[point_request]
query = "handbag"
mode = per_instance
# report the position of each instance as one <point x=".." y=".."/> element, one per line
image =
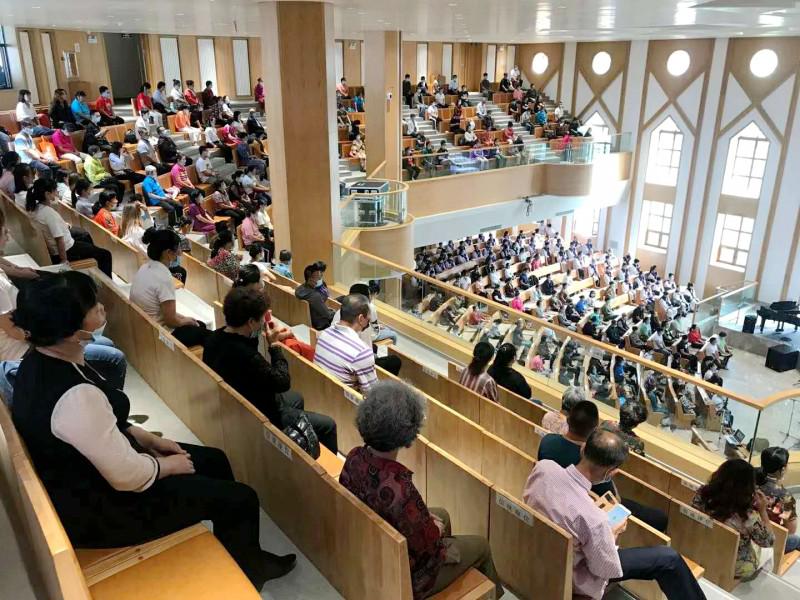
<point x="301" y="432"/>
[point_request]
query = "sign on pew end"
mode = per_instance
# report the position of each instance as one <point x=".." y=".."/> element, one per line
<point x="275" y="441"/>
<point x="696" y="515"/>
<point x="515" y="509"/>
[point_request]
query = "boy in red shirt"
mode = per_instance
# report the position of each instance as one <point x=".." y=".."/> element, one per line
<point x="105" y="106"/>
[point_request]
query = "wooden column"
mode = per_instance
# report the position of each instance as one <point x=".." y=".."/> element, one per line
<point x="299" y="76"/>
<point x="382" y="77"/>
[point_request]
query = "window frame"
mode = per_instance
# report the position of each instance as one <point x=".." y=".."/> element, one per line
<point x="737" y="250"/>
<point x="663" y="232"/>
<point x="739" y="181"/>
<point x="9" y="84"/>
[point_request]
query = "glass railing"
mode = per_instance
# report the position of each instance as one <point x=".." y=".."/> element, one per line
<point x="726" y="308"/>
<point x="375" y="203"/>
<point x="682" y="406"/>
<point x="483" y="157"/>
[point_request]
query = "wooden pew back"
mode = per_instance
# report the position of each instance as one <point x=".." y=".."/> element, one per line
<point x="26" y="233"/>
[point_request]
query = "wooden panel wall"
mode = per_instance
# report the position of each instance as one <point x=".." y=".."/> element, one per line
<point x="352" y="61"/>
<point x="190" y="61"/>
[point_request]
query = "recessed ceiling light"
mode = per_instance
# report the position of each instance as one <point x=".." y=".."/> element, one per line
<point x="179" y="14"/>
<point x="451" y="4"/>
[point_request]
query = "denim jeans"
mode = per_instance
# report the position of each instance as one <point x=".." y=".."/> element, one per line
<point x="386" y="334"/>
<point x="101" y="354"/>
<point x="792" y="543"/>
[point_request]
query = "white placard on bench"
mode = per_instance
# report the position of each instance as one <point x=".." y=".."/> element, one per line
<point x="352" y="397"/>
<point x="164" y="338"/>
<point x="696" y="515"/>
<point x="515" y="509"/>
<point x="692" y="485"/>
<point x="430" y="372"/>
<point x="275" y="441"/>
<point x="540" y="431"/>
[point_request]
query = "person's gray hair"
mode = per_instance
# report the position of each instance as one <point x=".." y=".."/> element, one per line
<point x="571" y="396"/>
<point x="390" y="416"/>
<point x="150" y="169"/>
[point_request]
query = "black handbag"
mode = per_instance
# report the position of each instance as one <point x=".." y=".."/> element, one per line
<point x="302" y="433"/>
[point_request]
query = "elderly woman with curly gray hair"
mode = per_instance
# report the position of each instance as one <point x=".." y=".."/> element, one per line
<point x="390" y="418"/>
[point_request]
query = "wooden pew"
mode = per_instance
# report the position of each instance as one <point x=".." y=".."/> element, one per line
<point x="26" y="233"/>
<point x="219" y="416"/>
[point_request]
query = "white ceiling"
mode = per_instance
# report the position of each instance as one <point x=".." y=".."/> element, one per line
<point x="517" y="21"/>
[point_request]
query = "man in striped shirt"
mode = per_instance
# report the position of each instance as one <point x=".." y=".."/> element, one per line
<point x="340" y="349"/>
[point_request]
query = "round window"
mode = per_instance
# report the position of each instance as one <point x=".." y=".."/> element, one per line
<point x="539" y="63"/>
<point x="601" y="63"/>
<point x="678" y="63"/>
<point x="764" y="63"/>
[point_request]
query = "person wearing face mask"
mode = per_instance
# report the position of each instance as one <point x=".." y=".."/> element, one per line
<point x="562" y="494"/>
<point x="153" y="288"/>
<point x="155" y="195"/>
<point x="167" y="149"/>
<point x="565" y="449"/>
<point x="61" y="243"/>
<point x="100" y="351"/>
<point x="112" y="483"/>
<point x="309" y="290"/>
<point x="105" y="106"/>
<point x="29" y="154"/>
<point x="93" y="136"/>
<point x="26" y="112"/>
<point x="97" y="174"/>
<point x="340" y="349"/>
<point x="80" y="109"/>
<point x="284" y="265"/>
<point x="233" y="352"/>
<point x="144" y="101"/>
<point x="60" y="112"/>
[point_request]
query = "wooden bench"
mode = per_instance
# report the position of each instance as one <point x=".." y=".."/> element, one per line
<point x="218" y="416"/>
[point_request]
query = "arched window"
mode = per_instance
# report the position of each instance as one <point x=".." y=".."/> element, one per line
<point x="664" y="157"/>
<point x="600" y="130"/>
<point x="746" y="163"/>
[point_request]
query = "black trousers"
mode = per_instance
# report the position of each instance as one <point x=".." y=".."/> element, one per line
<point x="654" y="517"/>
<point x="81" y="250"/>
<point x="236" y="215"/>
<point x="106" y="121"/>
<point x="324" y="426"/>
<point x="191" y="335"/>
<point x="130" y="175"/>
<point x="107" y="519"/>
<point x="666" y="566"/>
<point x="390" y="363"/>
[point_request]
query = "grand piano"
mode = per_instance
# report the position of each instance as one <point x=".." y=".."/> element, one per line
<point x="785" y="311"/>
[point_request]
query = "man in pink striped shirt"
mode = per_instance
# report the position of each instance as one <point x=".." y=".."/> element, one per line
<point x="341" y="351"/>
<point x="563" y="496"/>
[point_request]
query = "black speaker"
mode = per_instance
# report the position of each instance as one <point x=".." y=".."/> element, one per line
<point x="749" y="324"/>
<point x="782" y="357"/>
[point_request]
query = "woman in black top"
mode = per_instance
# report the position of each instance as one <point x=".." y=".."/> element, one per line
<point x="60" y="111"/>
<point x="504" y="374"/>
<point x="113" y="483"/>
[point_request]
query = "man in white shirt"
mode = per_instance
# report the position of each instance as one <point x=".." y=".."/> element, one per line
<point x="440" y="100"/>
<point x="205" y="172"/>
<point x="432" y="113"/>
<point x="148" y="155"/>
<point x="559" y="111"/>
<point x="29" y="154"/>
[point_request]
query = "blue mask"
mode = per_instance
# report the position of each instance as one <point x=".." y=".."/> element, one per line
<point x="318" y="283"/>
<point x="175" y="263"/>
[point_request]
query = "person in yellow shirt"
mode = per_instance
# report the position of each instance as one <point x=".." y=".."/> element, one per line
<point x="97" y="174"/>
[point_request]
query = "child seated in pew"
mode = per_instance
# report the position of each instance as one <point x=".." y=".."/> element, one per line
<point x="560" y="492"/>
<point x="81" y="198"/>
<point x="102" y="210"/>
<point x="781" y="505"/>
<point x="153" y="288"/>
<point x="389" y="419"/>
<point x="135" y="221"/>
<point x="112" y="483"/>
<point x="731" y="497"/>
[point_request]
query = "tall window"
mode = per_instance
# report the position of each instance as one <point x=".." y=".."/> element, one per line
<point x="732" y="238"/>
<point x="5" y="74"/>
<point x="747" y="161"/>
<point x="664" y="157"/>
<point x="655" y="225"/>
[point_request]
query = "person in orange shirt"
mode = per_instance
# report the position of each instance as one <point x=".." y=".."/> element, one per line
<point x="183" y="123"/>
<point x="105" y="106"/>
<point x="102" y="211"/>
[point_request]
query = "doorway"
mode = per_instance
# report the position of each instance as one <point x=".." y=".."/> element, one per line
<point x="125" y="64"/>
